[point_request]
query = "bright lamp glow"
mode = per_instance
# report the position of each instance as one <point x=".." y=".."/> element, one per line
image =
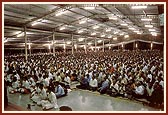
<point x="152" y="30"/>
<point x="115" y="38"/>
<point x="81" y="39"/>
<point x="62" y="28"/>
<point x="131" y="28"/>
<point x="92" y="34"/>
<point x="139" y="7"/>
<point x="124" y="24"/>
<point x="102" y="35"/>
<point x="95" y="27"/>
<point x="68" y="42"/>
<point x="149" y="26"/>
<point x="108" y="30"/>
<point x="82" y="21"/>
<point x="136" y="45"/>
<point x="126" y="36"/>
<point x="19" y="35"/>
<point x="89" y="43"/>
<point x="146" y="19"/>
<point x="80" y="31"/>
<point x="99" y="41"/>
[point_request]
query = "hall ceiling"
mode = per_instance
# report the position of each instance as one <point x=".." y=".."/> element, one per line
<point x="85" y="22"/>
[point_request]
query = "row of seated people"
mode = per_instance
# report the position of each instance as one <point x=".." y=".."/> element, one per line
<point x="151" y="91"/>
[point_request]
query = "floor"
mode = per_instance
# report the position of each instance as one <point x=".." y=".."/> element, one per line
<point x="83" y="100"/>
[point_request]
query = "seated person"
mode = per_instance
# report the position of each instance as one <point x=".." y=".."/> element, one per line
<point x="51" y="101"/>
<point x="93" y="84"/>
<point x="83" y="83"/>
<point x="104" y="86"/>
<point x="139" y="91"/>
<point x="59" y="90"/>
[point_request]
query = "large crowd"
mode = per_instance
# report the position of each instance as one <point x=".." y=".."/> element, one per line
<point x="130" y="74"/>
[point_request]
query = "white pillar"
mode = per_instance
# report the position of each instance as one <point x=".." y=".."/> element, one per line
<point x="72" y="44"/>
<point x="85" y="46"/>
<point x="53" y="43"/>
<point x="103" y="44"/>
<point x="25" y="37"/>
<point x="64" y="46"/>
<point x="95" y="45"/>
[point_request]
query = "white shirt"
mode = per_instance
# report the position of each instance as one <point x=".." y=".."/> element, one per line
<point x="93" y="83"/>
<point x="139" y="90"/>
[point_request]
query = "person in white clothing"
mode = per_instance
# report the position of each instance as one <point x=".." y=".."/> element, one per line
<point x="93" y="84"/>
<point x="51" y="101"/>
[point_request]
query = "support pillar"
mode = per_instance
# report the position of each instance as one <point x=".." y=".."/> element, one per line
<point x="25" y="37"/>
<point x="72" y="44"/>
<point x="53" y="43"/>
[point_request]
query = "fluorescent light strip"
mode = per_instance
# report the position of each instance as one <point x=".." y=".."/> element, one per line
<point x="126" y="36"/>
<point x="152" y="30"/>
<point x="80" y="31"/>
<point x="99" y="41"/>
<point x="146" y="19"/>
<point x="149" y="26"/>
<point x="102" y="35"/>
<point x="139" y="7"/>
<point x="115" y="38"/>
<point x="131" y="28"/>
<point x="82" y="22"/>
<point x="62" y="28"/>
<point x="95" y="27"/>
<point x="93" y="34"/>
<point x="124" y="24"/>
<point x="81" y="39"/>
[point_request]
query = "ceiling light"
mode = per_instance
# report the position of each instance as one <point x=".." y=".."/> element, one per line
<point x="109" y="36"/>
<point x="82" y="21"/>
<point x="139" y="7"/>
<point x="136" y="31"/>
<point x="121" y="34"/>
<point x="146" y="19"/>
<point x="152" y="30"/>
<point x="139" y="33"/>
<point x="80" y="31"/>
<point x="154" y="34"/>
<point x="115" y="32"/>
<point x="149" y="26"/>
<point x="99" y="41"/>
<point x="19" y="35"/>
<point x="124" y="24"/>
<point x="108" y="30"/>
<point x="103" y="35"/>
<point x="126" y="36"/>
<point x="81" y="39"/>
<point x="95" y="27"/>
<point x="68" y="42"/>
<point x="35" y="23"/>
<point x="93" y="33"/>
<point x="131" y="28"/>
<point x="89" y="43"/>
<point x="44" y="21"/>
<point x="115" y="38"/>
<point x="62" y="28"/>
<point x="113" y="18"/>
